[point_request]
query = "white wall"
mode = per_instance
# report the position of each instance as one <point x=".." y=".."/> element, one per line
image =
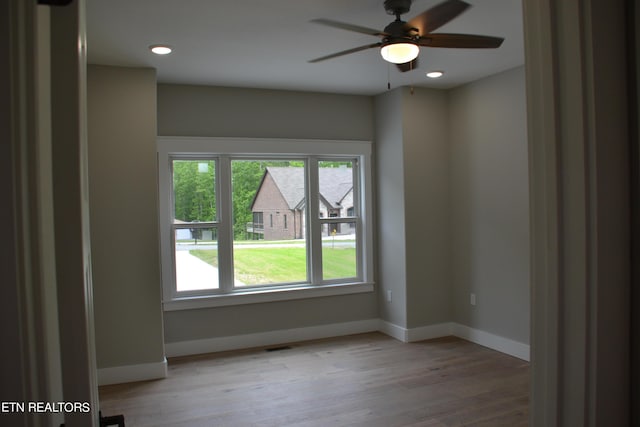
<point x="489" y="205"/>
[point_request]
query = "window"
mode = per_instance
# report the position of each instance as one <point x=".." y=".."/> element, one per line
<point x="214" y="194"/>
<point x="256" y="227"/>
<point x="194" y="223"/>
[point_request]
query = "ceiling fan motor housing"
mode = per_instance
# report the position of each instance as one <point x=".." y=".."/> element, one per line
<point x="399" y="29"/>
<point x="397" y="7"/>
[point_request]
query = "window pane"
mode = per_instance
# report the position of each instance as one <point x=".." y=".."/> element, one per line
<point x="339" y="251"/>
<point x="196" y="252"/>
<point x="194" y="193"/>
<point x="336" y="188"/>
<point x="268" y="214"/>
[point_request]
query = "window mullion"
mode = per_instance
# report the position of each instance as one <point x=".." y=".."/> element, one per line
<point x="225" y="227"/>
<point x="365" y="202"/>
<point x="359" y="209"/>
<point x="314" y="232"/>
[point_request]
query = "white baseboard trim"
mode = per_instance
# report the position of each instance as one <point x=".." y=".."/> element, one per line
<point x="394" y="331"/>
<point x="211" y="345"/>
<point x="150" y="371"/>
<point x="430" y="332"/>
<point x="485" y="339"/>
<point x="131" y="373"/>
<point x="416" y="334"/>
<point x="494" y="342"/>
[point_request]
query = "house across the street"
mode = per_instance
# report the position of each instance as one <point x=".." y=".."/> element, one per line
<point x="279" y="205"/>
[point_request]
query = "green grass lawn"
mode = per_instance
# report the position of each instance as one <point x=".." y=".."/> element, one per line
<point x="256" y="266"/>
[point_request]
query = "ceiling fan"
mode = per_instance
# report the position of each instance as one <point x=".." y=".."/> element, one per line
<point x="401" y="40"/>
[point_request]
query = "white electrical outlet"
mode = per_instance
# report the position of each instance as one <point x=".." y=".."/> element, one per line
<point x="472" y="299"/>
<point x="388" y="296"/>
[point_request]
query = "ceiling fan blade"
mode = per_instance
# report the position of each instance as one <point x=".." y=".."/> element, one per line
<point x="437" y="16"/>
<point x="349" y="27"/>
<point x="408" y="66"/>
<point x="346" y="52"/>
<point x="462" y="41"/>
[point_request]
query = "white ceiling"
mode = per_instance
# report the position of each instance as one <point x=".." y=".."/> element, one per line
<point x="267" y="43"/>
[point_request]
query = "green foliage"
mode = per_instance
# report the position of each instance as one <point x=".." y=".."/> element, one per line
<point x="333" y="164"/>
<point x="194" y="190"/>
<point x="246" y="176"/>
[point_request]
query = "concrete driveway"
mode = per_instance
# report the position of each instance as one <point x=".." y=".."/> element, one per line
<point x="194" y="274"/>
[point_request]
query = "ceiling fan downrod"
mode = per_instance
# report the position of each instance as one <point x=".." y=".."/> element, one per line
<point x="397" y="7"/>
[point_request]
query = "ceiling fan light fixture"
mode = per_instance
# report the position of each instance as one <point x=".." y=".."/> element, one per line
<point x="399" y="52"/>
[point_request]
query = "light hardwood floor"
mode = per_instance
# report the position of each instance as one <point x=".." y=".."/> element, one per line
<point x="360" y="380"/>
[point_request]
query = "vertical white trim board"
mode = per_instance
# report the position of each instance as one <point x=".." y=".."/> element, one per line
<point x="260" y="339"/>
<point x="131" y="373"/>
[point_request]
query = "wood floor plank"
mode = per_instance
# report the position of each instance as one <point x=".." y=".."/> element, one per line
<point x="361" y="380"/>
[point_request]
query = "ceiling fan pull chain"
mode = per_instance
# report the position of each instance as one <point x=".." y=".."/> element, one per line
<point x="388" y="77"/>
<point x="411" y="69"/>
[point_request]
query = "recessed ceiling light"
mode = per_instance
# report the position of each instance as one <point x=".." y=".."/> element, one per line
<point x="160" y="49"/>
<point x="435" y="74"/>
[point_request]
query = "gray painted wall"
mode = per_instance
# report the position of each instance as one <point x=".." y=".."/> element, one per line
<point x="185" y="110"/>
<point x="390" y="204"/>
<point x="412" y="159"/>
<point x="212" y="111"/>
<point x="452" y="180"/>
<point x="451" y="204"/>
<point x="124" y="215"/>
<point x="427" y="207"/>
<point x="635" y="226"/>
<point x="490" y="205"/>
<point x="200" y="324"/>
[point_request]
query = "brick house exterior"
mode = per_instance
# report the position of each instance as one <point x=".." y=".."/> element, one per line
<point x="278" y="206"/>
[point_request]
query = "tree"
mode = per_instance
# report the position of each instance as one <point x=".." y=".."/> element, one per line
<point x="194" y="190"/>
<point x="246" y="176"/>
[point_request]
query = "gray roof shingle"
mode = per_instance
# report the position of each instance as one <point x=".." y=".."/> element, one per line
<point x="335" y="183"/>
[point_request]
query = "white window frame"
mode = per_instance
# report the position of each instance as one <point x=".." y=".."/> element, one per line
<point x="225" y="149"/>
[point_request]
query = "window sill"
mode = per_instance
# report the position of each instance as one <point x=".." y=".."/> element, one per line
<point x="266" y="295"/>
